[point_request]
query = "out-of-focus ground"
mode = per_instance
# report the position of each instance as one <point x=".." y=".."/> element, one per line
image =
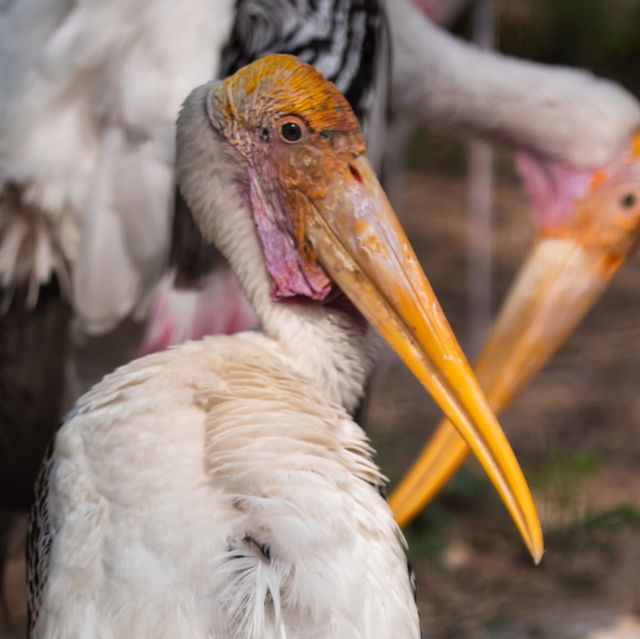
<point x="576" y="431"/>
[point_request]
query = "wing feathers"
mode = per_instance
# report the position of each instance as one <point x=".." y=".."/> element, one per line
<point x="89" y="93"/>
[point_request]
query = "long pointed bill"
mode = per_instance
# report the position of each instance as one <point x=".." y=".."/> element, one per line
<point x="358" y="240"/>
<point x="568" y="268"/>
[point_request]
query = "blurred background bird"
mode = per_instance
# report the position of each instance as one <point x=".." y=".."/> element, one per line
<point x="587" y="219"/>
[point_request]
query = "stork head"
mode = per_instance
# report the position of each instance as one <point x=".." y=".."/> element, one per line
<point x="325" y="226"/>
<point x="300" y="142"/>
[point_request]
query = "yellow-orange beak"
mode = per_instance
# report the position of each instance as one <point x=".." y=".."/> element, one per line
<point x="358" y="240"/>
<point x="568" y="268"/>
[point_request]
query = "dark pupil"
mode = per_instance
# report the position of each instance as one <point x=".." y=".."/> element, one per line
<point x="291" y="132"/>
<point x="628" y="200"/>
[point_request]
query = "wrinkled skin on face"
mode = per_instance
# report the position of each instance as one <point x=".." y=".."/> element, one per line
<point x="297" y="135"/>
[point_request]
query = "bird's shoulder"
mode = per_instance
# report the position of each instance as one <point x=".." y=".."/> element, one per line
<point x="166" y="402"/>
<point x="177" y="385"/>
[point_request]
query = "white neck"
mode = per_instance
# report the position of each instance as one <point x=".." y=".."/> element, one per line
<point x="322" y="343"/>
<point x="566" y="113"/>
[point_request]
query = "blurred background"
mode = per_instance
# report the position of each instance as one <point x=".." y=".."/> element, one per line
<point x="574" y="429"/>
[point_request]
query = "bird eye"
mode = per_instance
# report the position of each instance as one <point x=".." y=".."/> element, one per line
<point x="628" y="200"/>
<point x="291" y="131"/>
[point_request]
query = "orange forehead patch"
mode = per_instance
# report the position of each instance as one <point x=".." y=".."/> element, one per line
<point x="635" y="146"/>
<point x="284" y="84"/>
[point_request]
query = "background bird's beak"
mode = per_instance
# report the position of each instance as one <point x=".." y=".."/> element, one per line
<point x="359" y="241"/>
<point x="566" y="271"/>
<point x="556" y="286"/>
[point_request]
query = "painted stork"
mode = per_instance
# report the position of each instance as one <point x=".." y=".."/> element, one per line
<point x="587" y="220"/>
<point x="72" y="109"/>
<point x="220" y="489"/>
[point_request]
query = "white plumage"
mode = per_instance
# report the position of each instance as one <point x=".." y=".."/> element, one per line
<point x="564" y="113"/>
<point x="88" y="98"/>
<point x="224" y="502"/>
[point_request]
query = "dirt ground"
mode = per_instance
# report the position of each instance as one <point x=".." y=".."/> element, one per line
<point x="575" y="431"/>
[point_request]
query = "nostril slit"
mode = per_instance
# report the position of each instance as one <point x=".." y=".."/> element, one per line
<point x="355" y="173"/>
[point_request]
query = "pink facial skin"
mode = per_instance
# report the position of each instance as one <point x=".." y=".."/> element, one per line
<point x="551" y="187"/>
<point x="292" y="279"/>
